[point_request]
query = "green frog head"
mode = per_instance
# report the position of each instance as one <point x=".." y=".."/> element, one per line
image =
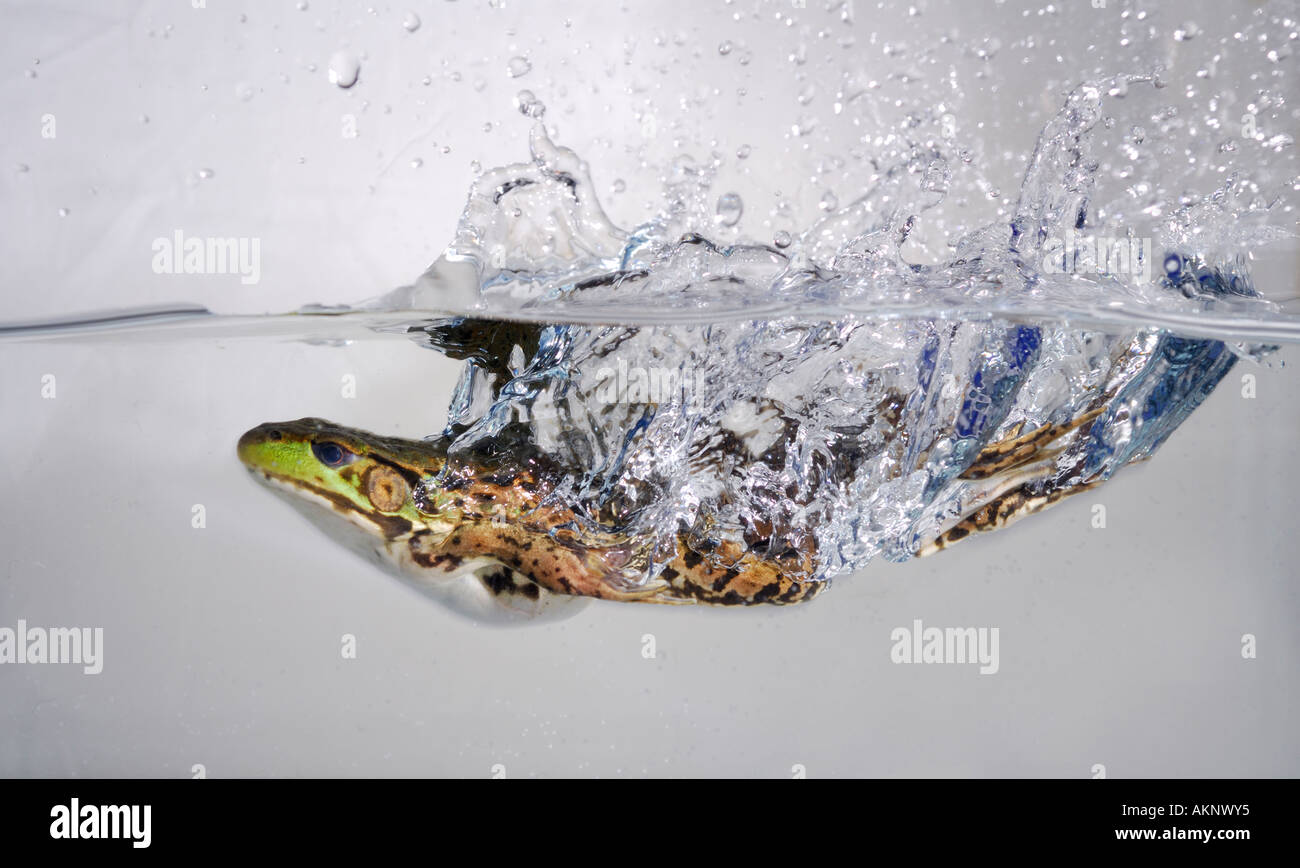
<point x="368" y="480"/>
<point x="379" y="496"/>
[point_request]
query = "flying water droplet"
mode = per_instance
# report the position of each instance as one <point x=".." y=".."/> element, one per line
<point x="782" y="239"/>
<point x="730" y="207"/>
<point x="411" y="22"/>
<point x="518" y="67"/>
<point x="804" y="126"/>
<point x="529" y="105"/>
<point x="724" y="48"/>
<point x="829" y="201"/>
<point x="344" y="69"/>
<point x="743" y="152"/>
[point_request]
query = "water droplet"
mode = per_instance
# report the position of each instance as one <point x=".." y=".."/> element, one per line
<point x="244" y="91"/>
<point x="618" y="186"/>
<point x="804" y="126"/>
<point x="64" y="212"/>
<point x="724" y="48"/>
<point x="782" y="239"/>
<point x="529" y="105"/>
<point x="21" y="168"/>
<point x="743" y="152"/>
<point x="302" y="5"/>
<point x="518" y="67"/>
<point x="937" y="176"/>
<point x="829" y="201"/>
<point x="344" y="68"/>
<point x="144" y="119"/>
<point x="417" y="163"/>
<point x="205" y="174"/>
<point x="806" y="95"/>
<point x="730" y="207"/>
<point x="411" y="22"/>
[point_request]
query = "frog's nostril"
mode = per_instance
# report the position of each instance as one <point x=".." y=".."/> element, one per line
<point x="273" y="434"/>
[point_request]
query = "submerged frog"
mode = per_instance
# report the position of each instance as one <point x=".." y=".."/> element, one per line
<point x="486" y="543"/>
<point x="966" y="429"/>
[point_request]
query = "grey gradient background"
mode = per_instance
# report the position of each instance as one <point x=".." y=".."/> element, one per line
<point x="1119" y="646"/>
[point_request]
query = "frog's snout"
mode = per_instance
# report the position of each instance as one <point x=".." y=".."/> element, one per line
<point x="251" y="444"/>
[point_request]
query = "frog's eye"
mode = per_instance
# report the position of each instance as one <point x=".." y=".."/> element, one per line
<point x="331" y="454"/>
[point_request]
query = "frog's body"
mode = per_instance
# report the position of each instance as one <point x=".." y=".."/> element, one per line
<point x="487" y="540"/>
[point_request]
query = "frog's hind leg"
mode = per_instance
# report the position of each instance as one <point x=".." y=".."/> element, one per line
<point x="1003" y="506"/>
<point x="1015" y="477"/>
<point x="1017" y="449"/>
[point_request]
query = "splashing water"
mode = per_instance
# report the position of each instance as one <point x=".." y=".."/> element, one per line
<point x="824" y="393"/>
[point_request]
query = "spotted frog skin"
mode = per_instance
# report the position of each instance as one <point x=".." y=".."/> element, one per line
<point x="483" y="536"/>
<point x="486" y="540"/>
